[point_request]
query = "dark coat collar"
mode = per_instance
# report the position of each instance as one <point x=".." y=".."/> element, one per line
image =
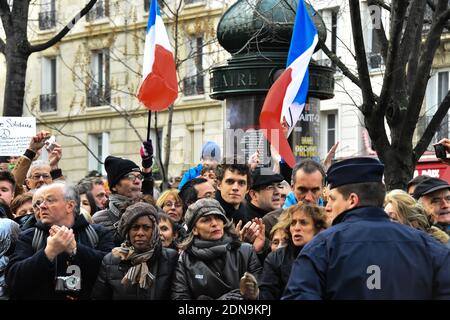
<point x="361" y="213"/>
<point x="80" y="223"/>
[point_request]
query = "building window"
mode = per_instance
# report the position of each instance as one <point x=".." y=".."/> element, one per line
<point x="374" y="19"/>
<point x="147" y="4"/>
<point x="331" y="130"/>
<point x="99" y="145"/>
<point x="99" y="90"/>
<point x="437" y="89"/>
<point x="48" y="90"/>
<point x="330" y="18"/>
<point x="47" y="15"/>
<point x="98" y="11"/>
<point x="193" y="82"/>
<point x="192" y="1"/>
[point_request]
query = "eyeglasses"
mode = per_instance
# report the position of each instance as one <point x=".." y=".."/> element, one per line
<point x="38" y="176"/>
<point x="133" y="177"/>
<point x="272" y="187"/>
<point x="172" y="204"/>
<point x="438" y="200"/>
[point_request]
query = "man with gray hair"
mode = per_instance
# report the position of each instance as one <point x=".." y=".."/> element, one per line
<point x="60" y="257"/>
<point x="38" y="175"/>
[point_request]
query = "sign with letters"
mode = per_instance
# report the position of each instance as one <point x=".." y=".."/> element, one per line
<point x="15" y="134"/>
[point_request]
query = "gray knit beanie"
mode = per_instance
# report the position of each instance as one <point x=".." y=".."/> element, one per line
<point x="201" y="208"/>
<point x="133" y="212"/>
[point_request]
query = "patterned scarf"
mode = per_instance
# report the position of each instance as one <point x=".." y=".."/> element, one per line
<point x="139" y="272"/>
<point x="118" y="204"/>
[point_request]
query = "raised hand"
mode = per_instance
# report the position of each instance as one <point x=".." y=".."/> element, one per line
<point x="146" y="152"/>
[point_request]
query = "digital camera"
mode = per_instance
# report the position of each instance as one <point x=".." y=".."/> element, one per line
<point x="69" y="283"/>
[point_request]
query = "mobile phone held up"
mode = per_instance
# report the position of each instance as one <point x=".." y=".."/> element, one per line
<point x="439" y="149"/>
<point x="50" y="144"/>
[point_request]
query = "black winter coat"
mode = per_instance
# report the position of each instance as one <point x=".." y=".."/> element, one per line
<point x="276" y="271"/>
<point x="108" y="285"/>
<point x="31" y="275"/>
<point x="109" y="221"/>
<point x="194" y="278"/>
<point x="364" y="255"/>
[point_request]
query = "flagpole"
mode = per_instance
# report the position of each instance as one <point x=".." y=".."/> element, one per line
<point x="149" y="123"/>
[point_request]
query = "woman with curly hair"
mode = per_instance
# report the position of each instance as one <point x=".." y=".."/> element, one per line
<point x="301" y="222"/>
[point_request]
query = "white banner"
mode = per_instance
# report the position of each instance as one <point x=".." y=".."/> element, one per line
<point x="15" y="134"/>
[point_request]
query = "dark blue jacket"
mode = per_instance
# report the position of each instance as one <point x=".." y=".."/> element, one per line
<point x="366" y="256"/>
<point x="30" y="275"/>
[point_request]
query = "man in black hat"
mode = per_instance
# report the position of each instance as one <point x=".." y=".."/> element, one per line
<point x="364" y="255"/>
<point x="434" y="195"/>
<point x="264" y="194"/>
<point x="125" y="183"/>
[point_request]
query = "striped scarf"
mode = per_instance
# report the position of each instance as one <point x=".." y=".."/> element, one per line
<point x="139" y="272"/>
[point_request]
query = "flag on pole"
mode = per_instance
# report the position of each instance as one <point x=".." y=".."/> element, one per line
<point x="159" y="88"/>
<point x="286" y="98"/>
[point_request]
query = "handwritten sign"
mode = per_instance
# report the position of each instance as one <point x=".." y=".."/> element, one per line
<point x="15" y="134"/>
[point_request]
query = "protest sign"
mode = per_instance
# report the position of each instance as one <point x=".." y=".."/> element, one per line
<point x="15" y="134"/>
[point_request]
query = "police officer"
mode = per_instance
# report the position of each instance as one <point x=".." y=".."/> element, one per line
<point x="364" y="255"/>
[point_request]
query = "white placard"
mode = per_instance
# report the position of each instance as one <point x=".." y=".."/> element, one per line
<point x="15" y="134"/>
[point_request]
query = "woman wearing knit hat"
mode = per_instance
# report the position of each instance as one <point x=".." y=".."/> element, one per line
<point x="213" y="258"/>
<point x="140" y="269"/>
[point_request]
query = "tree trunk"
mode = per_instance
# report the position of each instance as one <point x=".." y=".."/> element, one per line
<point x="16" y="69"/>
<point x="398" y="168"/>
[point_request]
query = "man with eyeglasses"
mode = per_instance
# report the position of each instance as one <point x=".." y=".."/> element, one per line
<point x="264" y="194"/>
<point x="38" y="175"/>
<point x="59" y="258"/>
<point x="434" y="195"/>
<point x="125" y="182"/>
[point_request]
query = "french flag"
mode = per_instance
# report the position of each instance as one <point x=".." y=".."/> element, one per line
<point x="286" y="98"/>
<point x="159" y="88"/>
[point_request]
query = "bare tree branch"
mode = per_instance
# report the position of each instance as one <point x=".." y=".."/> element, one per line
<point x="334" y="58"/>
<point x="65" y="30"/>
<point x="2" y="46"/>
<point x="432" y="127"/>
<point x="413" y="27"/>
<point x="5" y="15"/>
<point x="380" y="3"/>
<point x="413" y="62"/>
<point x="381" y="33"/>
<point x="361" y="59"/>
<point x="393" y="71"/>
<point x="441" y="15"/>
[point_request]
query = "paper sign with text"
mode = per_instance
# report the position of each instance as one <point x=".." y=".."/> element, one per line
<point x="15" y="134"/>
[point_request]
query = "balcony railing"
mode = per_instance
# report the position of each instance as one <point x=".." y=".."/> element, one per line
<point x="98" y="96"/>
<point x="48" y="102"/>
<point x="47" y="20"/>
<point x="193" y="85"/>
<point x="97" y="11"/>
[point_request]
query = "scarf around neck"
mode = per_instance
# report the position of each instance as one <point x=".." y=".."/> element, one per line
<point x="208" y="250"/>
<point x="118" y="204"/>
<point x="139" y="272"/>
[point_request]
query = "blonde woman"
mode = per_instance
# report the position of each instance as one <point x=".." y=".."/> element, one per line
<point x="172" y="205"/>
<point x="403" y="208"/>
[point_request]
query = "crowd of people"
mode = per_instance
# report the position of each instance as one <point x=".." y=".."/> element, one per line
<point x="225" y="230"/>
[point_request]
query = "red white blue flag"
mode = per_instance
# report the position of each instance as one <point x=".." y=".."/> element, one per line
<point x="286" y="98"/>
<point x="159" y="88"/>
